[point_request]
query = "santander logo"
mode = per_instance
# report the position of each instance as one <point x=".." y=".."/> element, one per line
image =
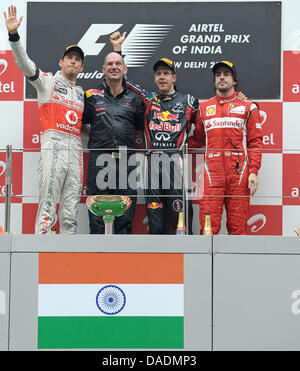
<point x="3" y="66"/>
<point x="257" y="221"/>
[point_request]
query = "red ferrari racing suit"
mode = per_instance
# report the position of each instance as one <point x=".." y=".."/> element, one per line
<point x="61" y="166"/>
<point x="231" y="130"/>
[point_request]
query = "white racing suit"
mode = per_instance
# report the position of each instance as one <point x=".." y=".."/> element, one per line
<point x="61" y="164"/>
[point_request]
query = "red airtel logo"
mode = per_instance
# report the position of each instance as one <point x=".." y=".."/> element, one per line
<point x="2" y="167"/>
<point x="257" y="222"/>
<point x="12" y="78"/>
<point x="3" y="66"/>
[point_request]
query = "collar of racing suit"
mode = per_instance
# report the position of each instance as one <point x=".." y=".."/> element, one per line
<point x="223" y="100"/>
<point x="166" y="97"/>
<point x="60" y="77"/>
<point x="106" y="87"/>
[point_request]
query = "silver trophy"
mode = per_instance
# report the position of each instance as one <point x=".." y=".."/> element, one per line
<point x="108" y="207"/>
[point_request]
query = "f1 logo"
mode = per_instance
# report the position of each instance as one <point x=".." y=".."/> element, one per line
<point x="138" y="45"/>
<point x="89" y="44"/>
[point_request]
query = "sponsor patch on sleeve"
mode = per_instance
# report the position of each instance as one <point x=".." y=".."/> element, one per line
<point x="89" y="93"/>
<point x="210" y="110"/>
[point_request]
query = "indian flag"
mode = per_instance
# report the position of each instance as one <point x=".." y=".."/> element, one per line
<point x="110" y="300"/>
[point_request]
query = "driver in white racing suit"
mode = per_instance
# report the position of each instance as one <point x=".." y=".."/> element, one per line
<point x="61" y="105"/>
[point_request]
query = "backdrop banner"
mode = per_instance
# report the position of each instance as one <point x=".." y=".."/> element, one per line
<point x="193" y="35"/>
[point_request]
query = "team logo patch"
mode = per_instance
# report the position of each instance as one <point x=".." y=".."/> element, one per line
<point x="72" y="117"/>
<point x="240" y="110"/>
<point x="165" y="116"/>
<point x="80" y="98"/>
<point x="155" y="205"/>
<point x="91" y="92"/>
<point x="161" y="136"/>
<point x="178" y="205"/>
<point x="100" y="109"/>
<point x="178" y="108"/>
<point x="210" y="110"/>
<point x="60" y="90"/>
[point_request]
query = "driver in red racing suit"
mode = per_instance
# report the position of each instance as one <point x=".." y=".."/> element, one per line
<point x="231" y="130"/>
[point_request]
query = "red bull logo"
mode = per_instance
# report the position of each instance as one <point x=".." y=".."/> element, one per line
<point x="91" y="92"/>
<point x="155" y="205"/>
<point x="165" y="116"/>
<point x="164" y="126"/>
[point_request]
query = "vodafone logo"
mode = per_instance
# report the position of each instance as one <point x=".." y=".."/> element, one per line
<point x="72" y="117"/>
<point x="257" y="221"/>
<point x="3" y="66"/>
<point x="2" y="167"/>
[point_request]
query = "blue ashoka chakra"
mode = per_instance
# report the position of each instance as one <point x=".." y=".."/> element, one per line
<point x="111" y="299"/>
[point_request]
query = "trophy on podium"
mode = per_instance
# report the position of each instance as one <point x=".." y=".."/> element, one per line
<point x="108" y="207"/>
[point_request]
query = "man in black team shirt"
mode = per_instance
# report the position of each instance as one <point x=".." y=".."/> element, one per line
<point x="168" y="117"/>
<point x="112" y="113"/>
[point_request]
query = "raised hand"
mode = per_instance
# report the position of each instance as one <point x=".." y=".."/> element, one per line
<point x="11" y="21"/>
<point x="117" y="40"/>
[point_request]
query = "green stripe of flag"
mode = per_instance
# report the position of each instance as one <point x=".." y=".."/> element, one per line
<point x="110" y="332"/>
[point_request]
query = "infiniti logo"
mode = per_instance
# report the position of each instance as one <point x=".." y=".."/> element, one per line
<point x="256" y="218"/>
<point x="3" y="66"/>
<point x="162" y="136"/>
<point x="2" y="167"/>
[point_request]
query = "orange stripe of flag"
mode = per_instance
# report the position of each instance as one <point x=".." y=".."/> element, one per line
<point x="84" y="268"/>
